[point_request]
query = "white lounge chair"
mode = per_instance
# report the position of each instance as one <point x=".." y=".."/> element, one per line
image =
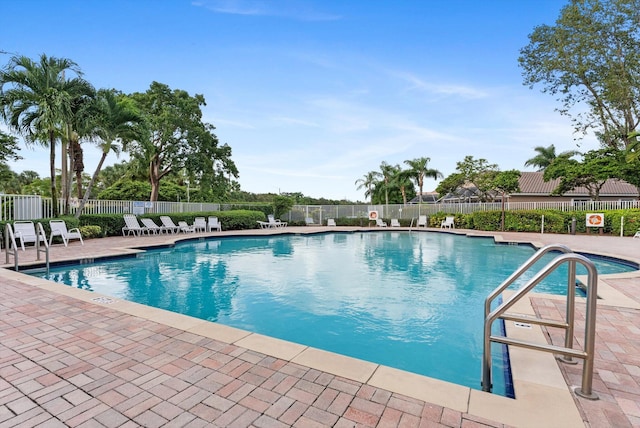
<point x="422" y="221"/>
<point x="152" y="226"/>
<point x="132" y="226"/>
<point x="395" y="222"/>
<point x="276" y="223"/>
<point x="331" y="222"/>
<point x="168" y="224"/>
<point x="214" y="224"/>
<point x="380" y="223"/>
<point x="637" y="235"/>
<point x="59" y="228"/>
<point x="25" y="231"/>
<point x="200" y="224"/>
<point x="309" y="221"/>
<point x="448" y="222"/>
<point x="184" y="227"/>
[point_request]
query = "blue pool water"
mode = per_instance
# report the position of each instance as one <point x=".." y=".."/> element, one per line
<point x="413" y="301"/>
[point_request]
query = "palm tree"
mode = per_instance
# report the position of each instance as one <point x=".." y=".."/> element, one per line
<point x="402" y="180"/>
<point x="387" y="172"/>
<point x="39" y="102"/>
<point x="546" y="155"/>
<point x="419" y="169"/>
<point x="117" y="122"/>
<point x="369" y="180"/>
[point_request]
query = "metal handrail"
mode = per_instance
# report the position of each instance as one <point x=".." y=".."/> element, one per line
<point x="41" y="234"/>
<point x="521" y="270"/>
<point x="587" y="354"/>
<point x="10" y="245"/>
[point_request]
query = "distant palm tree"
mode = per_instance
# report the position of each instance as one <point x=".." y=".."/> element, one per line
<point x="419" y="170"/>
<point x="369" y="181"/>
<point x="37" y="101"/>
<point x="387" y="172"/>
<point x="546" y="155"/>
<point x="116" y="122"/>
<point x="402" y="180"/>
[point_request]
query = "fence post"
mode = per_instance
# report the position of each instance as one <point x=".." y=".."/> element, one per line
<point x="621" y="226"/>
<point x="542" y="227"/>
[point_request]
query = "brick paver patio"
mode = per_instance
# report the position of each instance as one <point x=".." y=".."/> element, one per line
<point x="66" y="362"/>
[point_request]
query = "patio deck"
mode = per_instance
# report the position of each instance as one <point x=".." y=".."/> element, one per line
<point x="69" y="357"/>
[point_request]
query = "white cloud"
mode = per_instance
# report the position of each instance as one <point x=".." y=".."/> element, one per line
<point x="290" y="9"/>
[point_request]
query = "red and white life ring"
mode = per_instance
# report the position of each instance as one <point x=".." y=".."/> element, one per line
<point x="373" y="215"/>
<point x="595" y="220"/>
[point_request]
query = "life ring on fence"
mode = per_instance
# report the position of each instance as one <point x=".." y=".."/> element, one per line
<point x="373" y="215"/>
<point x="595" y="219"/>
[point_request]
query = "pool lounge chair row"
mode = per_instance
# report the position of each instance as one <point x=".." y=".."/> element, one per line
<point x="149" y="227"/>
<point x="25" y="232"/>
<point x="271" y="223"/>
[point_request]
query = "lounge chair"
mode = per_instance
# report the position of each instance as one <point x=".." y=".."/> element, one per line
<point x="184" y="227"/>
<point x="380" y="223"/>
<point x="168" y="224"/>
<point x="132" y="226"/>
<point x="214" y="224"/>
<point x="152" y="226"/>
<point x="276" y="223"/>
<point x="448" y="222"/>
<point x="395" y="222"/>
<point x="309" y="221"/>
<point x="59" y="228"/>
<point x="422" y="221"/>
<point x="331" y="222"/>
<point x="25" y="231"/>
<point x="637" y="235"/>
<point x="200" y="224"/>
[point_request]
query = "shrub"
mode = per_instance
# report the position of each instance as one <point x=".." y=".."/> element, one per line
<point x="91" y="231"/>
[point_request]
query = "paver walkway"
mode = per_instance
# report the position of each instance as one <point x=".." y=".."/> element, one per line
<point x="66" y="362"/>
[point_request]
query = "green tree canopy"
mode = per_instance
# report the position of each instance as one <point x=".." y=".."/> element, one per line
<point x="590" y="60"/>
<point x="594" y="170"/>
<point x="177" y="139"/>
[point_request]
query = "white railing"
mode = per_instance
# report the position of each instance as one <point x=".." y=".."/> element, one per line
<point x="31" y="207"/>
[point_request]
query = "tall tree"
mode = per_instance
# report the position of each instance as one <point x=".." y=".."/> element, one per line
<point x="115" y="121"/>
<point x="592" y="173"/>
<point x="8" y="148"/>
<point x="546" y="155"/>
<point x="590" y="60"/>
<point x="37" y="100"/>
<point x="419" y="170"/>
<point x="475" y="175"/>
<point x="387" y="171"/>
<point x="368" y="181"/>
<point x="177" y="137"/>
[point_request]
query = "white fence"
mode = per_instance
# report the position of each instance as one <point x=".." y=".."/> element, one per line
<point x="30" y="207"/>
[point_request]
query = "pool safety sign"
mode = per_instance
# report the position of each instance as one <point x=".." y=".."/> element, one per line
<point x="595" y="220"/>
<point x="373" y="215"/>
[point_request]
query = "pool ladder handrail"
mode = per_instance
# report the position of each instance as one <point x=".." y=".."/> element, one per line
<point x="11" y="246"/>
<point x="587" y="354"/>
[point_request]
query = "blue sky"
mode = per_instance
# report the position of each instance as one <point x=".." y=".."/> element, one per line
<point x="313" y="94"/>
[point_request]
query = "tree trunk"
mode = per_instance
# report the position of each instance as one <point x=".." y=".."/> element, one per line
<point x="87" y="192"/>
<point x="154" y="179"/>
<point x="52" y="171"/>
<point x="64" y="173"/>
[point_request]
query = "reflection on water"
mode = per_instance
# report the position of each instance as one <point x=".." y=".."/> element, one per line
<point x="408" y="300"/>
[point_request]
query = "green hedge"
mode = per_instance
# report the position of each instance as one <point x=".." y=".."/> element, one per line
<point x="112" y="224"/>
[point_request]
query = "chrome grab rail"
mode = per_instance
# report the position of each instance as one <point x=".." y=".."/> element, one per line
<point x="41" y="234"/>
<point x="567" y="350"/>
<point x="521" y="270"/>
<point x="10" y="245"/>
<point x="12" y="248"/>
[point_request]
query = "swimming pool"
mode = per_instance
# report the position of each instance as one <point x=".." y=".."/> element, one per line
<point x="413" y="301"/>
